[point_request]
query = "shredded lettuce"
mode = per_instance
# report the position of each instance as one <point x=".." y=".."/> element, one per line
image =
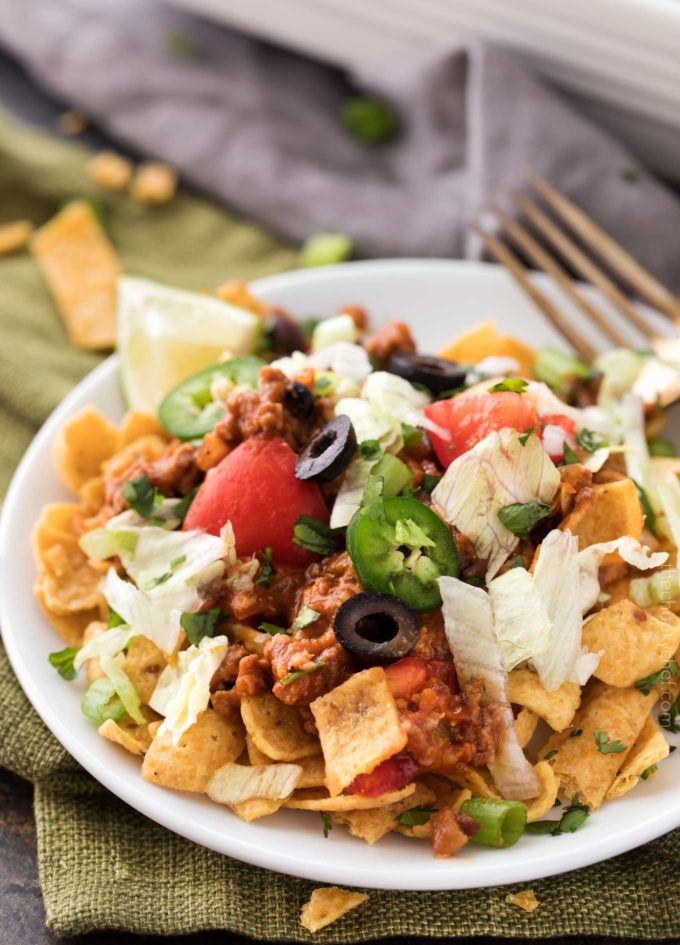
<point x="113" y="669"/>
<point x="233" y="783"/>
<point x="370" y="424"/>
<point x="394" y="396"/>
<point x="520" y="618"/>
<point x="589" y="560"/>
<point x="351" y="491"/>
<point x="469" y="626"/>
<point x="497" y="472"/>
<point x="102" y="543"/>
<point x="345" y="361"/>
<point x="183" y="689"/>
<point x="106" y="643"/>
<point x="620" y="368"/>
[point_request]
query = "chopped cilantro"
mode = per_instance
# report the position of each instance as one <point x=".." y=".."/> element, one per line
<point x="175" y="563"/>
<point x="306" y="617"/>
<point x="62" y="661"/>
<point x="291" y="677"/>
<point x="648" y="772"/>
<point x="573" y="818"/>
<point x="272" y="629"/>
<point x="115" y="620"/>
<point x="368" y="119"/>
<point x="575" y="732"/>
<point x="161" y="580"/>
<point x="515" y="385"/>
<point x="550" y="754"/>
<point x="650" y="514"/>
<point x="140" y="495"/>
<point x="590" y="441"/>
<point x="200" y="625"/>
<point x="267" y="571"/>
<point x="182" y="507"/>
<point x="605" y="745"/>
<point x="667" y="672"/>
<point x="370" y="449"/>
<point x="519" y="517"/>
<point x="569" y="455"/>
<point x="525" y="436"/>
<point x="429" y="482"/>
<point x="327" y="825"/>
<point x="415" y="817"/>
<point x="314" y="535"/>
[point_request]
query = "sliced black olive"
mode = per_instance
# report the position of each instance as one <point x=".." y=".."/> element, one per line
<point x="376" y="628"/>
<point x="285" y="335"/>
<point x="299" y="400"/>
<point x="434" y="373"/>
<point x="329" y="452"/>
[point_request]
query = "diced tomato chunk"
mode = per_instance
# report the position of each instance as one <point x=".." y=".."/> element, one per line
<point x="254" y="487"/>
<point x="556" y="429"/>
<point x="410" y="674"/>
<point x="390" y="775"/>
<point x="559" y="420"/>
<point x="468" y="418"/>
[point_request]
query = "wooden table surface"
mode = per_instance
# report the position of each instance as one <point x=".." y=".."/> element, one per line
<point x="22" y="916"/>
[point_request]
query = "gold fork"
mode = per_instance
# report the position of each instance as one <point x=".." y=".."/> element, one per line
<point x="557" y="243"/>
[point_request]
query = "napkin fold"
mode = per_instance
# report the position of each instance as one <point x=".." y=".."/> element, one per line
<point x="258" y="127"/>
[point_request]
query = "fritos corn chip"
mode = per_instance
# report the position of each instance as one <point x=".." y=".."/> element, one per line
<point x="583" y="769"/>
<point x="525" y="900"/>
<point x="370" y="825"/>
<point x="210" y="743"/>
<point x="650" y="748"/>
<point x="14" y="236"/>
<point x="607" y="512"/>
<point x="82" y="446"/>
<point x="634" y="642"/>
<point x="328" y="904"/>
<point x="121" y="736"/>
<point x="539" y="806"/>
<point x="556" y="708"/>
<point x="276" y="729"/>
<point x="483" y="341"/>
<point x="316" y="799"/>
<point x="359" y="727"/>
<point x="80" y="268"/>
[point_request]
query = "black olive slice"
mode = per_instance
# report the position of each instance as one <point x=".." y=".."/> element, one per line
<point x="436" y="374"/>
<point x="376" y="628"/>
<point x="285" y="335"/>
<point x="299" y="401"/>
<point x="329" y="452"/>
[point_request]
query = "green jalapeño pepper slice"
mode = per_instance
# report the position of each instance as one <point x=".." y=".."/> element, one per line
<point x="189" y="411"/>
<point x="399" y="546"/>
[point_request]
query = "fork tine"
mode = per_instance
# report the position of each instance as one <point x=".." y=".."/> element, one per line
<point x="581" y="263"/>
<point x="541" y="258"/>
<point x="504" y="255"/>
<point x="620" y="260"/>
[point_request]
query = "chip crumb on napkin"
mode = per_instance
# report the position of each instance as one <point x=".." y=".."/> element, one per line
<point x="110" y="171"/>
<point x="525" y="900"/>
<point x="328" y="904"/>
<point x="14" y="236"/>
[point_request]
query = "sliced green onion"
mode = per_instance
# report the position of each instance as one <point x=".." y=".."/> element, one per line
<point x="368" y="119"/>
<point x="324" y="249"/>
<point x="394" y="473"/>
<point x="501" y="822"/>
<point x="659" y="588"/>
<point x="559" y="370"/>
<point x="102" y="702"/>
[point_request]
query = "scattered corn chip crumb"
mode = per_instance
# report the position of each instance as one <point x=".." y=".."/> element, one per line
<point x="71" y="123"/>
<point x="14" y="236"/>
<point x="154" y="183"/>
<point x="110" y="171"/>
<point x="525" y="900"/>
<point x="328" y="904"/>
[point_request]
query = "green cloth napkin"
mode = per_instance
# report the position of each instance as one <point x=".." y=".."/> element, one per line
<point x="102" y="865"/>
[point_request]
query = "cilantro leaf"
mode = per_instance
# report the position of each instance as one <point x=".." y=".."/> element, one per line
<point x="141" y="495"/>
<point x="298" y="673"/>
<point x="62" y="661"/>
<point x="605" y="745"/>
<point x="182" y="507"/>
<point x="550" y="754"/>
<point x="648" y="772"/>
<point x="268" y="570"/>
<point x="665" y="674"/>
<point x="519" y="517"/>
<point x="525" y="436"/>
<point x="515" y="385"/>
<point x="575" y="732"/>
<point x="200" y="625"/>
<point x="650" y="514"/>
<point x="327" y="825"/>
<point x="590" y="441"/>
<point x="569" y="455"/>
<point x="429" y="482"/>
<point x="573" y="818"/>
<point x="314" y="535"/>
<point x="272" y="629"/>
<point x="416" y="816"/>
<point x="306" y="617"/>
<point x="370" y="449"/>
<point x="115" y="620"/>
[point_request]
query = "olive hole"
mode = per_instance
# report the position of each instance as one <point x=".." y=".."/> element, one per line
<point x="377" y="628"/>
<point x="319" y="446"/>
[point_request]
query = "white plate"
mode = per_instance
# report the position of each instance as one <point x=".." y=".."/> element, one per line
<point x="438" y="299"/>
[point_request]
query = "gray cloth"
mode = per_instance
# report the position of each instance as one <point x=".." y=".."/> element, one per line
<point x="257" y="126"/>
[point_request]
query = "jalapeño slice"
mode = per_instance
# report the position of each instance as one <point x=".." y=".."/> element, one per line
<point x="189" y="411"/>
<point x="400" y="547"/>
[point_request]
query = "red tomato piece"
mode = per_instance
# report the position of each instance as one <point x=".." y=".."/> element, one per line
<point x="468" y="418"/>
<point x="411" y="673"/>
<point x="556" y="428"/>
<point x="254" y="487"/>
<point x="390" y="775"/>
<point x="559" y="420"/>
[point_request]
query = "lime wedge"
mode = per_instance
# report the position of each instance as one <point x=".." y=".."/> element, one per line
<point x="166" y="334"/>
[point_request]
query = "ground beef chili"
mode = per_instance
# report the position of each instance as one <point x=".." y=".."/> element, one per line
<point x="275" y="599"/>
<point x="302" y="651"/>
<point x="175" y="473"/>
<point x="450" y="832"/>
<point x="389" y="339"/>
